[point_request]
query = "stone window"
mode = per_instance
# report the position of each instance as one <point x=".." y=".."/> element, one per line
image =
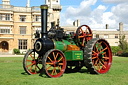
<point x="97" y="35"/>
<point x="116" y="35"/>
<point x="22" y="44"/>
<point x="0" y="16"/>
<point x="22" y="18"/>
<point x="23" y="30"/>
<point x="7" y="17"/>
<point x="105" y="35"/>
<point x="5" y="30"/>
<point x="38" y="19"/>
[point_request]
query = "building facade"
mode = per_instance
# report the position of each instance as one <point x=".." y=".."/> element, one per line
<point x="18" y="24"/>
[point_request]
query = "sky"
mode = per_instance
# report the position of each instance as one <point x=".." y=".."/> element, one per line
<point x="94" y="13"/>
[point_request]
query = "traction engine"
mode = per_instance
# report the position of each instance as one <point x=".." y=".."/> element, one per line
<point x="57" y="52"/>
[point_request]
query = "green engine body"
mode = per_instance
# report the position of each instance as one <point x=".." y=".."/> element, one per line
<point x="71" y="55"/>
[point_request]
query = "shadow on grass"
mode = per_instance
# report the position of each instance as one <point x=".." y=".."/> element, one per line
<point x="24" y="73"/>
<point x="81" y="71"/>
<point x="42" y="73"/>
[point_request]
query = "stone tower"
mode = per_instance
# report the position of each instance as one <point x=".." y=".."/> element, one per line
<point x="6" y="2"/>
<point x="54" y="11"/>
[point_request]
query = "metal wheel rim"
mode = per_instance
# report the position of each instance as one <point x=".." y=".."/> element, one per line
<point x="32" y="65"/>
<point x="85" y="37"/>
<point x="102" y="65"/>
<point x="57" y="70"/>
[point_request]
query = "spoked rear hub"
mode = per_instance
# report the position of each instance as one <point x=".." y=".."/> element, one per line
<point x="98" y="56"/>
<point x="54" y="63"/>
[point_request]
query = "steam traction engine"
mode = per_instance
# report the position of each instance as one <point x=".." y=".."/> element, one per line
<point x="56" y="51"/>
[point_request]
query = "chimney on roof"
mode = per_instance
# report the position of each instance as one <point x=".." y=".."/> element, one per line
<point x="76" y="23"/>
<point x="107" y="26"/>
<point x="28" y="3"/>
<point x="120" y="26"/>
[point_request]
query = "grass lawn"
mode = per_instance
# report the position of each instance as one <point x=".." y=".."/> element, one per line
<point x="12" y="73"/>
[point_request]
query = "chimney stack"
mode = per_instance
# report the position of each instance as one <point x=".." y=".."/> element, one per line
<point x="107" y="26"/>
<point x="121" y="26"/>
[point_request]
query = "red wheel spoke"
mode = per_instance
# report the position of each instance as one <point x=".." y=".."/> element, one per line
<point x="60" y="59"/>
<point x="31" y="68"/>
<point x="29" y="60"/>
<point x="99" y="46"/>
<point x="49" y="59"/>
<point x="53" y="71"/>
<point x="104" y="53"/>
<point x="105" y="57"/>
<point x="103" y="65"/>
<point x="32" y="57"/>
<point x="97" y="49"/>
<point x="103" y="49"/>
<point x="94" y="52"/>
<point x="54" y="55"/>
<point x="86" y="30"/>
<point x="97" y="67"/>
<point x="82" y="31"/>
<point x="49" y="68"/>
<point x="60" y="63"/>
<point x="30" y="65"/>
<point x="49" y="63"/>
<point x="94" y="57"/>
<point x="59" y="68"/>
<point x="96" y="62"/>
<point x="83" y="42"/>
<point x="80" y="36"/>
<point x="102" y="60"/>
<point x="88" y="35"/>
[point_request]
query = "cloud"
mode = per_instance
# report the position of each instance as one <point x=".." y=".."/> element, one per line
<point x="115" y="1"/>
<point x="120" y="12"/>
<point x="98" y="17"/>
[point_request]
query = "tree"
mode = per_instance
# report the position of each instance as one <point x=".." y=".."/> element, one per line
<point x="123" y="43"/>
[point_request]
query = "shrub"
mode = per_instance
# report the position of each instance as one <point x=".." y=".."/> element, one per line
<point x="119" y="53"/>
<point x="16" y="51"/>
<point x="115" y="49"/>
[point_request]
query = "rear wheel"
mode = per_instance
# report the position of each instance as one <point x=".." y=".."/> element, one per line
<point x="54" y="63"/>
<point x="32" y="63"/>
<point x="98" y="56"/>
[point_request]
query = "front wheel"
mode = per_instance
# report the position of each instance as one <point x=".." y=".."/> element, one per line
<point x="54" y="63"/>
<point x="32" y="63"/>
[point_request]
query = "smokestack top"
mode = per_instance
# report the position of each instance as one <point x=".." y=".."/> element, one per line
<point x="44" y="6"/>
<point x="44" y="11"/>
